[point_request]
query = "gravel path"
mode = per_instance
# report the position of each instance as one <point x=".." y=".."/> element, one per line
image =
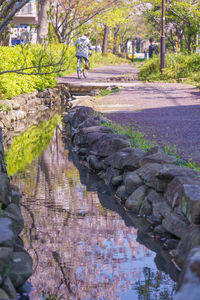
<point x="168" y="113"/>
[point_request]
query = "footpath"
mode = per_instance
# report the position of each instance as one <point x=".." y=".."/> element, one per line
<point x="167" y="113"/>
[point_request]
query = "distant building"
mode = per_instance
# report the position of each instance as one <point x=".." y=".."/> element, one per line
<point x="24" y="30"/>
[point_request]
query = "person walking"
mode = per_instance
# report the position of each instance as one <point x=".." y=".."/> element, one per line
<point x="82" y="48"/>
<point x="153" y="48"/>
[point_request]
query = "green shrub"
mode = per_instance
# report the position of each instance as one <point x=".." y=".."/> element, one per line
<point x="20" y="57"/>
<point x="177" y="67"/>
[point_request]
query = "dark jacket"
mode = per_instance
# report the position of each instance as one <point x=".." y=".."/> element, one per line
<point x="153" y="48"/>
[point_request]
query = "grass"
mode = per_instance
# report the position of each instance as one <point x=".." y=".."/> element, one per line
<point x="137" y="140"/>
<point x="179" y="68"/>
<point x="4" y="107"/>
<point x="106" y="92"/>
<point x="135" y="137"/>
<point x="138" y="63"/>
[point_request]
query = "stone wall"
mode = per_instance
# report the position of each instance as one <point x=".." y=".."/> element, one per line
<point x="24" y="111"/>
<point x="150" y="184"/>
<point x="15" y="262"/>
<point x="28" y="109"/>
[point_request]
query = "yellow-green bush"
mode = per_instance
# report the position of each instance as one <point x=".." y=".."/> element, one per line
<point x="25" y="57"/>
<point x="177" y="66"/>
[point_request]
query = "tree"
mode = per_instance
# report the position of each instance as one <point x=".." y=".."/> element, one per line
<point x="112" y="19"/>
<point x="69" y="16"/>
<point x="182" y="21"/>
<point x="8" y="9"/>
<point x="42" y="32"/>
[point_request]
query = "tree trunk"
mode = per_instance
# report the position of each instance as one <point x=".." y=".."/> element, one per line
<point x="189" y="44"/>
<point x="196" y="42"/>
<point x="43" y="7"/>
<point x="105" y="39"/>
<point x="115" y="39"/>
<point x="126" y="49"/>
<point x="133" y="49"/>
<point x="172" y="41"/>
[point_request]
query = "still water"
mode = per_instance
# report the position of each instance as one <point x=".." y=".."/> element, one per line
<point x="82" y="242"/>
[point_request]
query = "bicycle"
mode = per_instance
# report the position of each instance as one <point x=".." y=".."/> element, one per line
<point x="82" y="71"/>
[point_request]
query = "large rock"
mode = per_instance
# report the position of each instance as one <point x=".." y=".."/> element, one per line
<point x="146" y="239"/>
<point x="165" y="209"/>
<point x="148" y="174"/>
<point x="4" y="189"/>
<point x="189" y="240"/>
<point x="159" y="157"/>
<point x="92" y="137"/>
<point x="21" y="269"/>
<point x="157" y="201"/>
<point x="6" y="256"/>
<point x="140" y="223"/>
<point x="95" y="129"/>
<point x="164" y="263"/>
<point x="15" y="197"/>
<point x="168" y="172"/>
<point x="13" y="212"/>
<point x="7" y="236"/>
<point x="154" y="150"/>
<point x="121" y="193"/>
<point x="94" y="163"/>
<point x="132" y="181"/>
<point x="135" y="200"/>
<point x="3" y="295"/>
<point x="89" y="122"/>
<point x="109" y="144"/>
<point x="190" y="278"/>
<point x="185" y="192"/>
<point x="171" y="244"/>
<point x="110" y="173"/>
<point x="127" y="158"/>
<point x="175" y="225"/>
<point x="146" y="208"/>
<point x="80" y="115"/>
<point x="117" y="180"/>
<point x="9" y="288"/>
<point x="67" y="117"/>
<point x="191" y="202"/>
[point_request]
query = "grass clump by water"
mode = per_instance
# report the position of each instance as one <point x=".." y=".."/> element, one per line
<point x="135" y="137"/>
<point x="137" y="140"/>
<point x="106" y="92"/>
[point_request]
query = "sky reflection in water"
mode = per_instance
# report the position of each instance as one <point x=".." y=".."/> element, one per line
<point x="80" y="249"/>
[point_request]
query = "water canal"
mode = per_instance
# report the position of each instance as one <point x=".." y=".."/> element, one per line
<point x="82" y="242"/>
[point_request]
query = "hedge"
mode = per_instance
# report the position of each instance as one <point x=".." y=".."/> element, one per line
<point x="20" y="57"/>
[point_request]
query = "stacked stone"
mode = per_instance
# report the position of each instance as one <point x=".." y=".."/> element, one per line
<point x="15" y="262"/>
<point x="31" y="105"/>
<point x="150" y="184"/>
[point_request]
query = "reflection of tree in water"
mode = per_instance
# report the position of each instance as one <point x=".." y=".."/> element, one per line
<point x="149" y="288"/>
<point x="80" y="250"/>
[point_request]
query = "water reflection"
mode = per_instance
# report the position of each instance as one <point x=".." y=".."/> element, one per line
<point x="78" y="236"/>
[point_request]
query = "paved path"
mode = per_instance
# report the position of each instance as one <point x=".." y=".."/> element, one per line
<point x="100" y="74"/>
<point x="168" y="113"/>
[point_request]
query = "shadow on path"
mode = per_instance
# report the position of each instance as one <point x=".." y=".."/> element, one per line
<point x="176" y="126"/>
